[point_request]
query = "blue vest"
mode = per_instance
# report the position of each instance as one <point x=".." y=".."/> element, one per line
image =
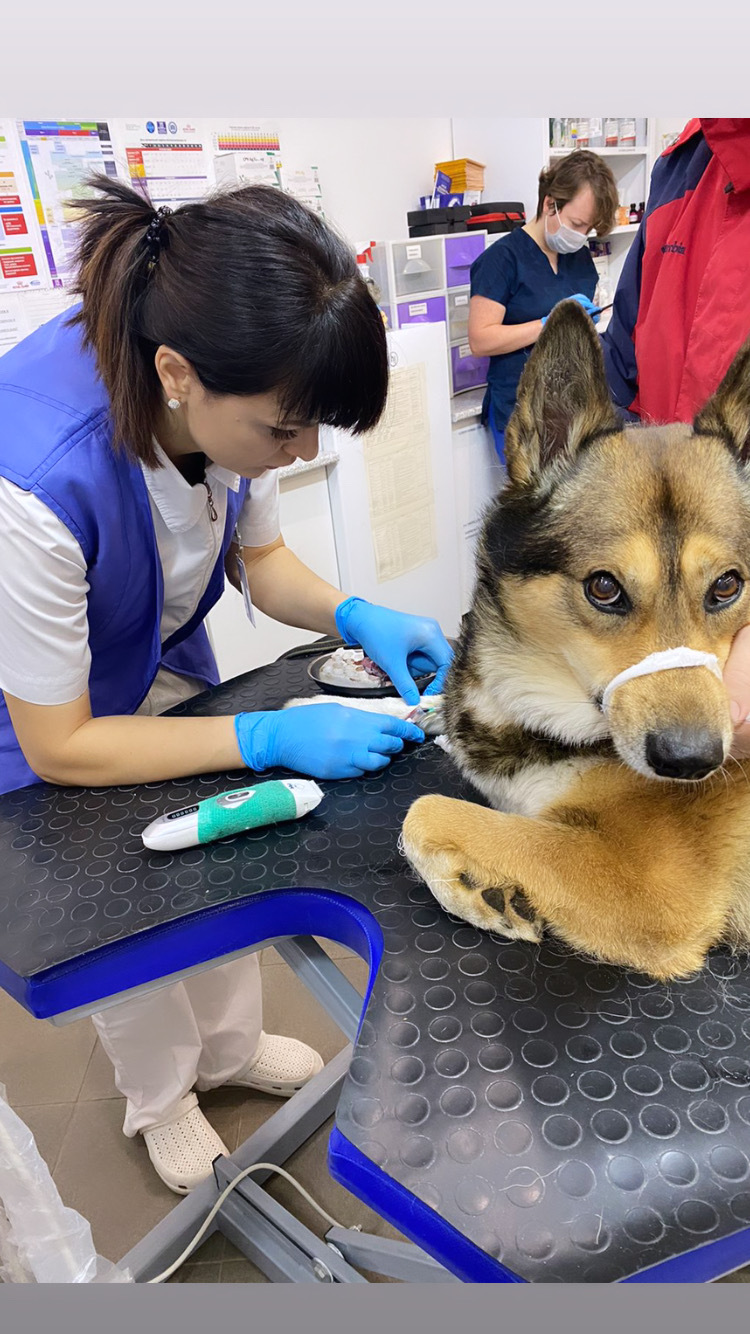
<point x="56" y="441"/>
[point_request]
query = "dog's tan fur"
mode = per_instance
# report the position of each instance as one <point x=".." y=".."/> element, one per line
<point x="588" y="841"/>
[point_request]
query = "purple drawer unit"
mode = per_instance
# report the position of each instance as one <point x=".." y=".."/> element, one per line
<point x="467" y="371"/>
<point x="458" y="315"/>
<point x="431" y="310"/>
<point x="460" y="253"/>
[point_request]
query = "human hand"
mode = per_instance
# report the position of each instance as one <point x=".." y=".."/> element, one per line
<point x="737" y="682"/>
<point x="583" y="301"/>
<point x="329" y="741"/>
<point x="403" y="646"/>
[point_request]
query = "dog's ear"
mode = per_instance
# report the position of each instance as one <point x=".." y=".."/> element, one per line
<point x="563" y="399"/>
<point x="727" y="412"/>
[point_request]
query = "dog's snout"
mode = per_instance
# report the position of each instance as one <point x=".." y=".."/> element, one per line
<point x="684" y="752"/>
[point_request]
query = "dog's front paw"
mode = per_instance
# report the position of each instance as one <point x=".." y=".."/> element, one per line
<point x="432" y="842"/>
<point x="430" y="715"/>
<point x="427" y="714"/>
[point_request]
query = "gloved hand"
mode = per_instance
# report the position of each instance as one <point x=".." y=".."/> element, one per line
<point x="404" y="646"/>
<point x="323" y="740"/>
<point x="582" y="300"/>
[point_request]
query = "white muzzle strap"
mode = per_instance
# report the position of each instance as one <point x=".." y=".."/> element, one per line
<point x="662" y="662"/>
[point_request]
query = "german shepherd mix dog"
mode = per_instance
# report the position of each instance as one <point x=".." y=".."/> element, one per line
<point x="622" y="825"/>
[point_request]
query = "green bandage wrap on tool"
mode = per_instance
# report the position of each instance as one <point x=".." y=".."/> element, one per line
<point x="270" y="803"/>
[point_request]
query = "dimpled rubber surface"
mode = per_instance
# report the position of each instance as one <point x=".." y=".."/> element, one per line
<point x="574" y="1121"/>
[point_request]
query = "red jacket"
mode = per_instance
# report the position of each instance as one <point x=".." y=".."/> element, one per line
<point x="682" y="307"/>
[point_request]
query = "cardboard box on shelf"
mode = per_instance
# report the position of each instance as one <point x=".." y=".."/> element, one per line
<point x="464" y="173"/>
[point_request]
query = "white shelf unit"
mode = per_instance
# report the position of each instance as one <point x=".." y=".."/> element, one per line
<point x="465" y="407"/>
<point x="603" y="151"/>
<point x="631" y="168"/>
<point x="324" y="459"/>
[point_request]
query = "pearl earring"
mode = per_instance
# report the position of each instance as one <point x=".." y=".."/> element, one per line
<point x="173" y="403"/>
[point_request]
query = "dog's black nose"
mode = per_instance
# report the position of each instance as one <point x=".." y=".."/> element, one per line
<point x="684" y="752"/>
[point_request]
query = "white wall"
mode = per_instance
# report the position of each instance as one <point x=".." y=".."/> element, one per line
<point x="513" y="150"/>
<point x="372" y="171"/>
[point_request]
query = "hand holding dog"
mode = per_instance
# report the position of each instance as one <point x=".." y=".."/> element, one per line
<point x="404" y="646"/>
<point x="737" y="682"/>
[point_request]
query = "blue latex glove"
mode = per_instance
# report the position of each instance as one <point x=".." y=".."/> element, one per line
<point x="582" y="300"/>
<point x="323" y="740"/>
<point x="404" y="646"/>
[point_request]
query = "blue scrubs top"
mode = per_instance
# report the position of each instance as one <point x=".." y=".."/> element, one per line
<point x="515" y="272"/>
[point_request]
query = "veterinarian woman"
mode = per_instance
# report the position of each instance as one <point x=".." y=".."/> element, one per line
<point x="140" y="444"/>
<point x="515" y="283"/>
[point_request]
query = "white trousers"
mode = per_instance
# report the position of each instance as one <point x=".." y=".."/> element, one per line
<point x="198" y="1033"/>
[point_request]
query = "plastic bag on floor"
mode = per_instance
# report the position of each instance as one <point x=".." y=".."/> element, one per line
<point x="41" y="1241"/>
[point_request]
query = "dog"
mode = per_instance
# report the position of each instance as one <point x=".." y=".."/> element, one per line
<point x="618" y="820"/>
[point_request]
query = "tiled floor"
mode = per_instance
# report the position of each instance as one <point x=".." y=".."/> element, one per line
<point x="60" y="1083"/>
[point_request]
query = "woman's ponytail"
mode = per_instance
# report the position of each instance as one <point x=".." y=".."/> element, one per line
<point x="118" y="248"/>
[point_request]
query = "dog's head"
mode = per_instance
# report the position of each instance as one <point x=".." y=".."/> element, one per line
<point x="610" y="544"/>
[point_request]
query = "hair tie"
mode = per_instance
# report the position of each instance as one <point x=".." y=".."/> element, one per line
<point x="153" y="235"/>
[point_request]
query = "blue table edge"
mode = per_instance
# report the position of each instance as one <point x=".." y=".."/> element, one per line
<point x="200" y="938"/>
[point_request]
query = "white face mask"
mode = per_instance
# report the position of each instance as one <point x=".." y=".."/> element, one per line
<point x="565" y="241"/>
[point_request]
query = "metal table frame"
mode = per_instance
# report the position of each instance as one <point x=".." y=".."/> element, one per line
<point x="257" y="1225"/>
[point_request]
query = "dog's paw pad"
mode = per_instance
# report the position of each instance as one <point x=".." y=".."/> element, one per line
<point x="459" y="883"/>
<point x="515" y="914"/>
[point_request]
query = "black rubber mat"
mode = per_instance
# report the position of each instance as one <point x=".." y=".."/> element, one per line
<point x="575" y="1121"/>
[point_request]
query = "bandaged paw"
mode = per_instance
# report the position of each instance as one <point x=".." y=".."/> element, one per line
<point x="428" y="714"/>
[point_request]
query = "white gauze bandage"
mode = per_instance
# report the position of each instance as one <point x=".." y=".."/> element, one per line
<point x="662" y="662"/>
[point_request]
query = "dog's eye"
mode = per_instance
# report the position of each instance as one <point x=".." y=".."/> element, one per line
<point x="604" y="592"/>
<point x="724" y="591"/>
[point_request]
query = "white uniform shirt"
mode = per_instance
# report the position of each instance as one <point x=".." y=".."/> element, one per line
<point x="44" y="650"/>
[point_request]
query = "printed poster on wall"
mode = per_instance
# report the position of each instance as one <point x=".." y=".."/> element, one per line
<point x="245" y="153"/>
<point x="398" y="468"/>
<point x="304" y="184"/>
<point x="59" y="155"/>
<point x="23" y="312"/>
<point x="168" y="159"/>
<point x="23" y="266"/>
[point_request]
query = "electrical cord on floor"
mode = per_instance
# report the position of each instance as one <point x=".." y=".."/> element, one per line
<point x="254" y="1167"/>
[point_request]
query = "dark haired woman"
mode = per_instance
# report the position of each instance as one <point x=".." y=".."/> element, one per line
<point x="518" y="280"/>
<point x="139" y="448"/>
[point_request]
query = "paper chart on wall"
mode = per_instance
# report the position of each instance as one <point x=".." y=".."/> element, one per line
<point x="39" y="307"/>
<point x="168" y="159"/>
<point x="398" y="469"/>
<point x="304" y="184"/>
<point x="59" y="155"/>
<point x="23" y="266"/>
<point x="245" y="153"/>
<point x="13" y="325"/>
<point x="23" y="312"/>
